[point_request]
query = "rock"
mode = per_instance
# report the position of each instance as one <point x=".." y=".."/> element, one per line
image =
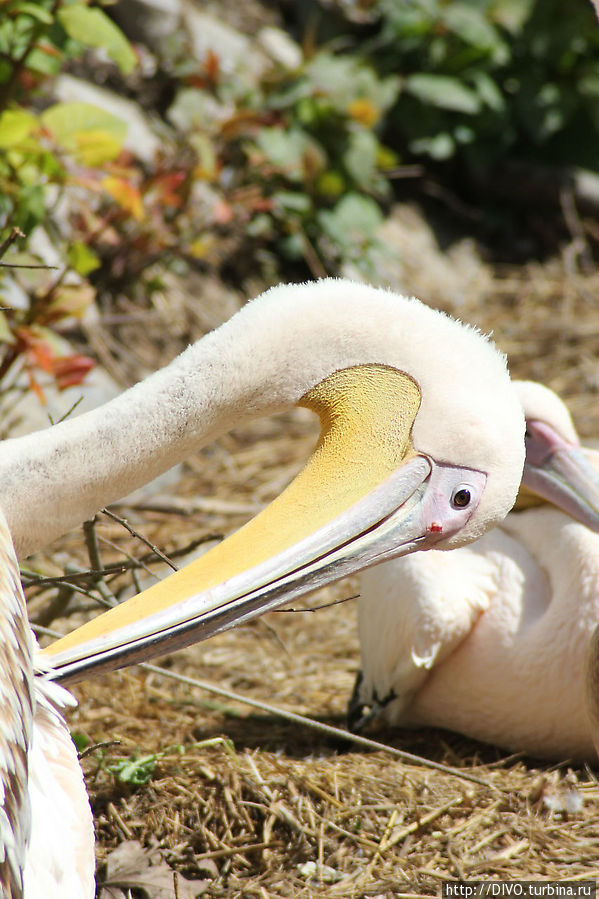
<point x="30" y="415"/>
<point x="235" y="51"/>
<point x="410" y="260"/>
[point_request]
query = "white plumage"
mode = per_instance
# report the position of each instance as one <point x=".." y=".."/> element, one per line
<point x="492" y="640"/>
<point x="46" y="828"/>
<point x="264" y="360"/>
<point x="60" y="860"/>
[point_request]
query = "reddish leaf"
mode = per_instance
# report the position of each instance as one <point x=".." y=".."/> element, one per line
<point x="49" y="49"/>
<point x="71" y="370"/>
<point x="212" y="66"/>
<point x="126" y="195"/>
<point x="167" y="185"/>
<point x="35" y="386"/>
<point x="37" y="351"/>
<point x="262" y="204"/>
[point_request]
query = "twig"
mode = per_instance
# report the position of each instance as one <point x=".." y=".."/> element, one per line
<point x="325" y="605"/>
<point x="30" y="579"/>
<point x="14" y="234"/>
<point x="227" y="853"/>
<point x="304" y="721"/>
<point x="57" y="605"/>
<point x="139" y="536"/>
<point x="68" y="412"/>
<point x="91" y="542"/>
<point x="76" y="587"/>
<point x="26" y="265"/>
<point x="310" y="255"/>
<point x="104" y="744"/>
<point x="400" y="835"/>
<point x="383" y="842"/>
<point x="131" y="559"/>
<point x="115" y="815"/>
<point x="327" y="729"/>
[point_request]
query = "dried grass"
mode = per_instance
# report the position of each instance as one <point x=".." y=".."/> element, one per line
<point x="285" y="796"/>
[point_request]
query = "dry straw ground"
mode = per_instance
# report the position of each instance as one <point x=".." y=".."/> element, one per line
<point x="276" y="809"/>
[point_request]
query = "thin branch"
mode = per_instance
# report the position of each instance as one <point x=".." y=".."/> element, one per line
<point x="30" y="579"/>
<point x="304" y="721"/>
<point x="14" y="234"/>
<point x="29" y="265"/>
<point x="91" y="542"/>
<point x="327" y="729"/>
<point x="325" y="605"/>
<point x="139" y="536"/>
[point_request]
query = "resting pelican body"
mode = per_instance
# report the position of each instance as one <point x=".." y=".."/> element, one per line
<point x="495" y="640"/>
<point x="406" y="460"/>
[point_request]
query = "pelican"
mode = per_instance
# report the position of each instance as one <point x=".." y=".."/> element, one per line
<point x="496" y="639"/>
<point x="46" y="827"/>
<point x="421" y="445"/>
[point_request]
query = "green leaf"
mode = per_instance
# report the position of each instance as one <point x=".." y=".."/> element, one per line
<point x="488" y="91"/>
<point x="292" y="201"/>
<point x="512" y="14"/>
<point x="92" y="27"/>
<point x="360" y="158"/>
<point x="37" y="12"/>
<point x="94" y="134"/>
<point x="82" y="259"/>
<point x="15" y="126"/>
<point x="353" y="221"/>
<point x="136" y="771"/>
<point x="44" y="63"/>
<point x="80" y="740"/>
<point x="439" y="146"/>
<point x="471" y="25"/>
<point x="343" y="79"/>
<point x="289" y="150"/>
<point x="444" y="92"/>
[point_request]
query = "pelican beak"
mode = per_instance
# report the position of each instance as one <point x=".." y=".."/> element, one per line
<point x="365" y="496"/>
<point x="559" y="472"/>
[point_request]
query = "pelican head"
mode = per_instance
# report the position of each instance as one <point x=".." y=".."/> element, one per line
<point x="556" y="469"/>
<point x="421" y="445"/>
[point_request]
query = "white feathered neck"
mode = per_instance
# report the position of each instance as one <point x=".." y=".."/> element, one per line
<point x="263" y="360"/>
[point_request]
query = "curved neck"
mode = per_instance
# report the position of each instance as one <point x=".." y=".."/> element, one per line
<point x="268" y="356"/>
<point x="52" y="480"/>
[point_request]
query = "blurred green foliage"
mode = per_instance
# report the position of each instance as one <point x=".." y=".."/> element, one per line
<point x="280" y="170"/>
<point x="467" y="84"/>
<point x="39" y="151"/>
<point x="487" y="78"/>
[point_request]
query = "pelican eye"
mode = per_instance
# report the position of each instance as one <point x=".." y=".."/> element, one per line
<point x="461" y="498"/>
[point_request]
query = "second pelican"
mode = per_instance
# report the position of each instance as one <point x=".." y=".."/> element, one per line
<point x="495" y="641"/>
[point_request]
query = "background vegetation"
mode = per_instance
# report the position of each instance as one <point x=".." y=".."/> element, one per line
<point x="284" y="174"/>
